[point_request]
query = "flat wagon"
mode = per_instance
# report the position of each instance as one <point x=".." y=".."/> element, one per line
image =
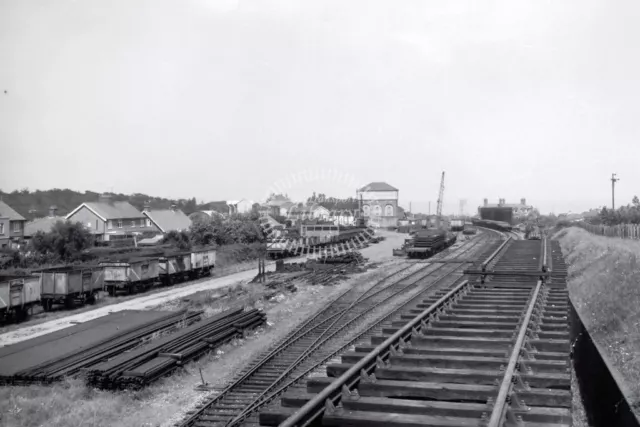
<point x="202" y="262"/>
<point x="17" y="295"/>
<point x="69" y="284"/>
<point x="130" y="274"/>
<point x="174" y="267"/>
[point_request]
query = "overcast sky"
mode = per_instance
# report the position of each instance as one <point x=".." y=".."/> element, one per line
<point x="221" y="99"/>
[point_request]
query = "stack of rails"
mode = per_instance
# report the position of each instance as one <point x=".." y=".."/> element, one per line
<point x="51" y="357"/>
<point x="347" y="258"/>
<point x="140" y="367"/>
<point x="426" y="243"/>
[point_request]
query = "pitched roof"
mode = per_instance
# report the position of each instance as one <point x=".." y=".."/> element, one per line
<point x="7" y="211"/>
<point x="41" y="224"/>
<point x="378" y="186"/>
<point x="220" y="206"/>
<point x="168" y="220"/>
<point x="110" y="210"/>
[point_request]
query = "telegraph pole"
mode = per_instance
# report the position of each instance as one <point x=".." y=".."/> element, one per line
<point x="613" y="190"/>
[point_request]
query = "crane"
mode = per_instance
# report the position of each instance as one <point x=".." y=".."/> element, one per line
<point x="440" y="199"/>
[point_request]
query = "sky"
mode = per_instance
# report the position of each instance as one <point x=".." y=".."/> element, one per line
<point x="224" y="99"/>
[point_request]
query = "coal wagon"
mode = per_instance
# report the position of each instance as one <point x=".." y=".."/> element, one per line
<point x="130" y="274"/>
<point x="69" y="284"/>
<point x="202" y="262"/>
<point x="17" y="295"/>
<point x="174" y="267"/>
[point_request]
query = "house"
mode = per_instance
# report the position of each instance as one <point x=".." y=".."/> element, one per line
<point x="239" y="206"/>
<point x="11" y="225"/>
<point x="379" y="204"/>
<point x="308" y="212"/>
<point x="521" y="210"/>
<point x="166" y="220"/>
<point x="110" y="220"/>
<point x="200" y="216"/>
<point x="42" y="224"/>
<point x="279" y="204"/>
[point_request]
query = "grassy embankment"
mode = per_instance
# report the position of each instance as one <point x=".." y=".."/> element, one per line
<point x="604" y="285"/>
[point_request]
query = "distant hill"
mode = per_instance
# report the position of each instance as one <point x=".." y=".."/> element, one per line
<point x="35" y="204"/>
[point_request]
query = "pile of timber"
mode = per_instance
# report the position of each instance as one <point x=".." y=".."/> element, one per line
<point x="147" y="363"/>
<point x="346" y="258"/>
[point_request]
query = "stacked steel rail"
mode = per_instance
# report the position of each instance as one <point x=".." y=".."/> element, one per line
<point x="78" y="358"/>
<point x="158" y="358"/>
<point x="491" y="352"/>
<point x="319" y="338"/>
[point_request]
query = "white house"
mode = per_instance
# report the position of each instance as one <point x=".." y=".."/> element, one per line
<point x="239" y="206"/>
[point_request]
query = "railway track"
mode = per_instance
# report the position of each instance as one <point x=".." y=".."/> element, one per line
<point x="491" y="351"/>
<point x="320" y="337"/>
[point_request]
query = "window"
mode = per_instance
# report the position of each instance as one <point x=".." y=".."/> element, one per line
<point x="96" y="224"/>
<point x="16" y="227"/>
<point x="142" y="222"/>
<point x="119" y="223"/>
<point x="148" y="222"/>
<point x="366" y="210"/>
<point x="1" y="228"/>
<point x="388" y="210"/>
<point x="133" y="223"/>
<point x="110" y="224"/>
<point x="377" y="210"/>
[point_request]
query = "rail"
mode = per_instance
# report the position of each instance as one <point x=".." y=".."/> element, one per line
<point x="494" y="254"/>
<point x="499" y="408"/>
<point x="314" y="408"/>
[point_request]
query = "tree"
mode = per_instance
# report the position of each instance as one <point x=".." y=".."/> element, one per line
<point x="179" y="239"/>
<point x="66" y="240"/>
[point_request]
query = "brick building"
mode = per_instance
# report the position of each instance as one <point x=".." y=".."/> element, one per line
<point x="379" y="204"/>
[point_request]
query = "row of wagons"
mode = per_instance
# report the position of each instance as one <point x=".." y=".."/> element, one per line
<point x="73" y="284"/>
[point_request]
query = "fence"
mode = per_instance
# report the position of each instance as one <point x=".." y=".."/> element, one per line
<point x="623" y="231"/>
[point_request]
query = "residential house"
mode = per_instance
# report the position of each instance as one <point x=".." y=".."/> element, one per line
<point x="379" y="204"/>
<point x="309" y="212"/>
<point x="239" y="206"/>
<point x="11" y="225"/>
<point x="42" y="224"/>
<point x="166" y="220"/>
<point x="110" y="220"/>
<point x="279" y="205"/>
<point x="200" y="216"/>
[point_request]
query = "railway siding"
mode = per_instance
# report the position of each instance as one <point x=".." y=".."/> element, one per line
<point x="488" y="351"/>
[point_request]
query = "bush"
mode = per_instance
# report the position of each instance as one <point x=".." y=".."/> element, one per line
<point x="66" y="240"/>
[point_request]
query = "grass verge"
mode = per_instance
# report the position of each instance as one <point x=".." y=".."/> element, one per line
<point x="604" y="285"/>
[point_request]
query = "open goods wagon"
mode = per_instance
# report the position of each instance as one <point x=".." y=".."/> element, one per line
<point x="17" y="295"/>
<point x="457" y="225"/>
<point x="202" y="262"/>
<point x="130" y="274"/>
<point x="69" y="284"/>
<point x="174" y="267"/>
<point x="494" y="225"/>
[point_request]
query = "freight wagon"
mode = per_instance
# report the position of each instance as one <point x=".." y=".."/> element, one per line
<point x="69" y="284"/>
<point x="427" y="243"/>
<point x="457" y="225"/>
<point x="17" y="295"/>
<point x="130" y="274"/>
<point x="202" y="262"/>
<point x="174" y="267"/>
<point x="314" y="237"/>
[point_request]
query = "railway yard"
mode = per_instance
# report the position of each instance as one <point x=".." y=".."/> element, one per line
<point x="477" y="334"/>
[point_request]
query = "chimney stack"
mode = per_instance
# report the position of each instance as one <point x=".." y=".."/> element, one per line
<point x="174" y="208"/>
<point x="523" y="202"/>
<point x="52" y="210"/>
<point x="147" y="208"/>
<point x="486" y="202"/>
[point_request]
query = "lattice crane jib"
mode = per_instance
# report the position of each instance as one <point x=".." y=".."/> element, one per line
<point x="440" y="199"/>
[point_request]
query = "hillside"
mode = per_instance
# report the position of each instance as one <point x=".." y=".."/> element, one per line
<point x="36" y="204"/>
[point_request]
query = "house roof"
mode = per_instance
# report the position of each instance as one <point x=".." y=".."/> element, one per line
<point x="278" y="201"/>
<point x="110" y="210"/>
<point x="41" y="224"/>
<point x="378" y="186"/>
<point x="209" y="213"/>
<point x="220" y="206"/>
<point x="7" y="211"/>
<point x="235" y="202"/>
<point x="167" y="220"/>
